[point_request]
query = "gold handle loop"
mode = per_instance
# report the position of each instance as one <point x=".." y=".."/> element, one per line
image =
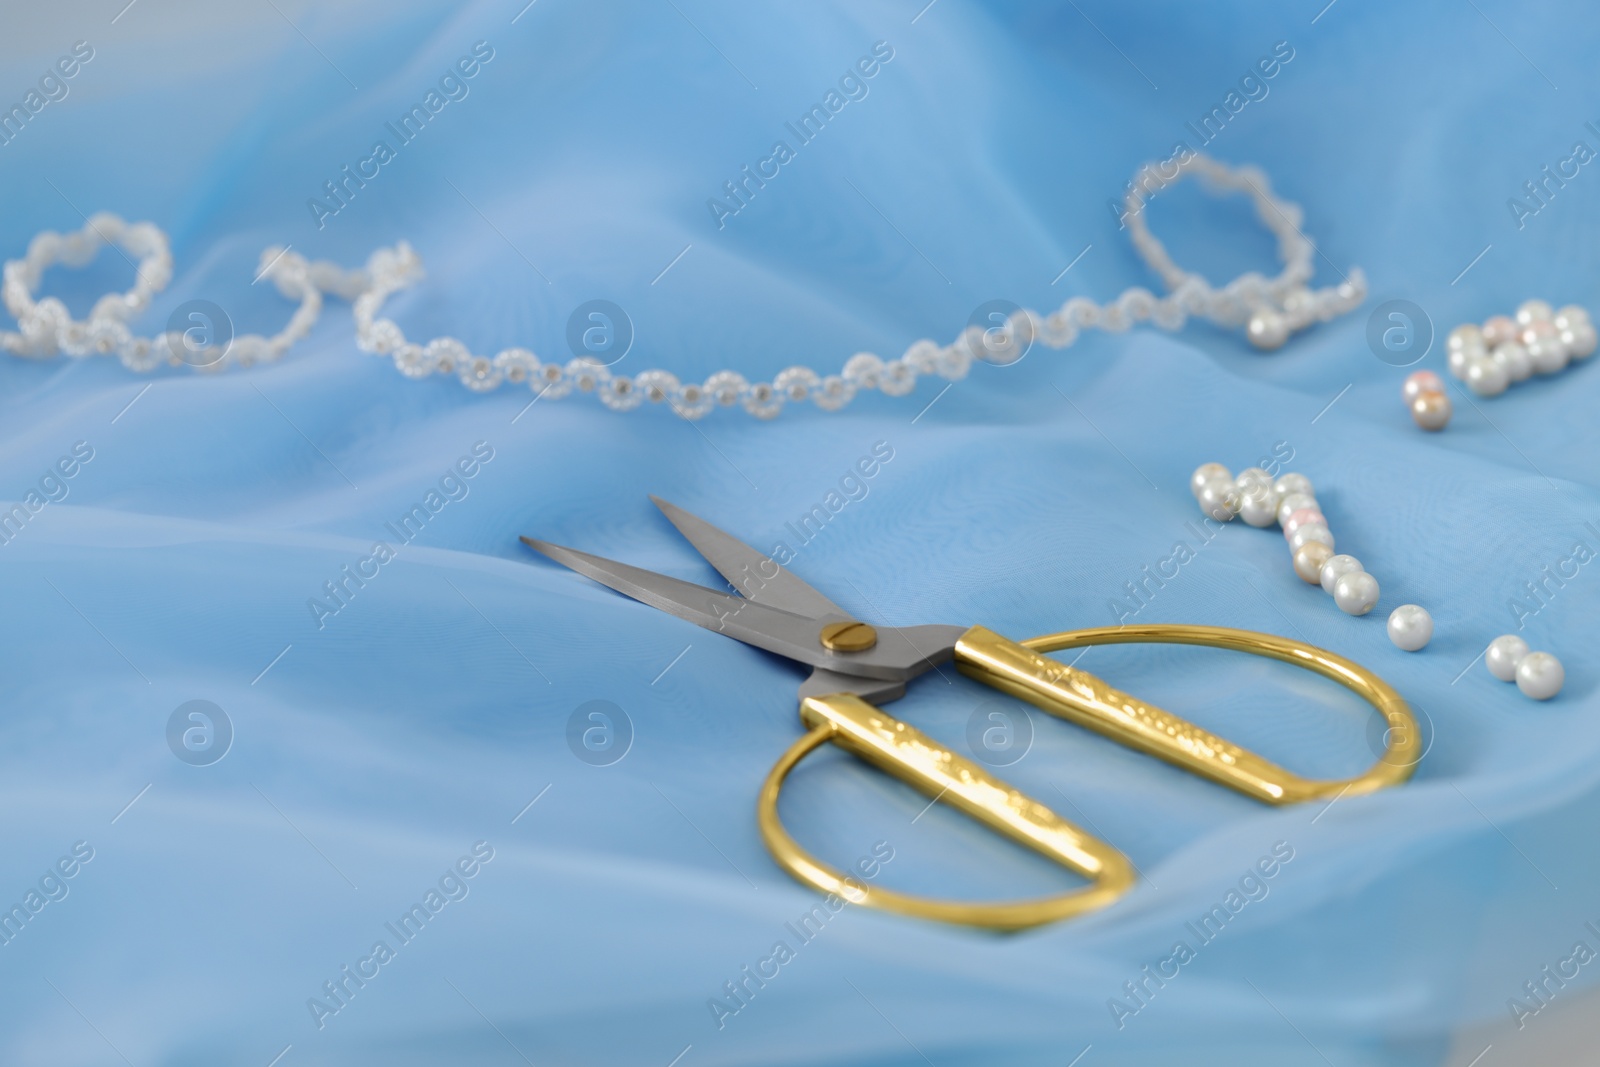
<point x="912" y="756"/>
<point x="1020" y="669"/>
<point x="1077" y="696"/>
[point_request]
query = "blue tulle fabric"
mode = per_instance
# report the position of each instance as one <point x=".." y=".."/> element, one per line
<point x="629" y="912"/>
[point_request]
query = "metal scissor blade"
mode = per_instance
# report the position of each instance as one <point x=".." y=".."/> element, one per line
<point x="824" y="682"/>
<point x="753" y="573"/>
<point x="899" y="653"/>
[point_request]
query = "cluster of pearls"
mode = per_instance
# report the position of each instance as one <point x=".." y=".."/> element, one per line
<point x="1538" y="674"/>
<point x="1504" y="351"/>
<point x="1269" y="309"/>
<point x="1290" y="504"/>
<point x="1425" y="397"/>
<point x="47" y="329"/>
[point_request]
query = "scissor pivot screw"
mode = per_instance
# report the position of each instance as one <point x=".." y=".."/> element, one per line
<point x="848" y="637"/>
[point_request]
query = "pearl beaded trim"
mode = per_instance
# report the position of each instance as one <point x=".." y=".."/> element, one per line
<point x="1270" y="309"/>
<point x="48" y="329"/>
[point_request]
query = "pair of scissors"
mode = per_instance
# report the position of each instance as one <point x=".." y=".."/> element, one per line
<point x="856" y="666"/>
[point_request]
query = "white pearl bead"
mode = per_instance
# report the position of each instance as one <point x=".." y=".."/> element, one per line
<point x="1466" y="336"/>
<point x="1540" y="675"/>
<point x="1537" y="328"/>
<point x="1410" y="627"/>
<point x="1533" y="311"/>
<point x="1207" y="472"/>
<point x="1310" y="534"/>
<point x="1570" y="314"/>
<point x="1256" y="505"/>
<point x="1267" y="330"/>
<point x="1545" y="350"/>
<point x="1512" y="358"/>
<point x="1220" y="499"/>
<point x="1308" y="562"/>
<point x="1337" y="567"/>
<point x="1503" y="655"/>
<point x="1356" y="593"/>
<point x="1291" y="483"/>
<point x="1459" y="358"/>
<point x="1579" y="339"/>
<point x="1486" y="377"/>
<point x="1253" y="475"/>
<point x="1303" y="517"/>
<point x="1293" y="502"/>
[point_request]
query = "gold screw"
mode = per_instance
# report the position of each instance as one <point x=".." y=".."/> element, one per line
<point x="848" y="637"/>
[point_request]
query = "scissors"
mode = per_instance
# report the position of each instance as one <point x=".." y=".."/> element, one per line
<point x="856" y="666"/>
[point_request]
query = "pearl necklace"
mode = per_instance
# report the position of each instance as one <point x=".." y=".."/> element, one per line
<point x="1269" y="309"/>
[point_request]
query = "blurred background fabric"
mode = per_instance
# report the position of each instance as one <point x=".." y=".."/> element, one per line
<point x="373" y="749"/>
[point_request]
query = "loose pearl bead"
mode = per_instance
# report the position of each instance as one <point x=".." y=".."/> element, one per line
<point x="1356" y="593"/>
<point x="1465" y="336"/>
<point x="1207" y="472"/>
<point x="1267" y="330"/>
<point x="1419" y="382"/>
<point x="1410" y="627"/>
<point x="1256" y="505"/>
<point x="1336" y="567"/>
<point x="1545" y="350"/>
<point x="1308" y="562"/>
<point x="1458" y="359"/>
<point x="1303" y="517"/>
<point x="1431" y="411"/>
<point x="1539" y="328"/>
<point x="1579" y="339"/>
<point x="1533" y="311"/>
<point x="1486" y="377"/>
<point x="1291" y="483"/>
<point x="1503" y="655"/>
<point x="1512" y="358"/>
<point x="1253" y="475"/>
<point x="1220" y="499"/>
<point x="1310" y="534"/>
<point x="1288" y="505"/>
<point x="1540" y="675"/>
<point x="1569" y="315"/>
<point x="1498" y="330"/>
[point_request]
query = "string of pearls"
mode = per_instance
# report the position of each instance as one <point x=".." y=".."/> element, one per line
<point x="1270" y="309"/>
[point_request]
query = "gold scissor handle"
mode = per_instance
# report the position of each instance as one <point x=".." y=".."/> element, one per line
<point x="909" y="754"/>
<point x="1077" y="696"/>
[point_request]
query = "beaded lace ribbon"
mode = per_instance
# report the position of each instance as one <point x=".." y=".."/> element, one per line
<point x="1270" y="309"/>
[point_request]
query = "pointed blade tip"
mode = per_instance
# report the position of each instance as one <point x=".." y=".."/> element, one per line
<point x="544" y="548"/>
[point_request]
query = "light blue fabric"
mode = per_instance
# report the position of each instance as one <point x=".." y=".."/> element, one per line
<point x="426" y="715"/>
